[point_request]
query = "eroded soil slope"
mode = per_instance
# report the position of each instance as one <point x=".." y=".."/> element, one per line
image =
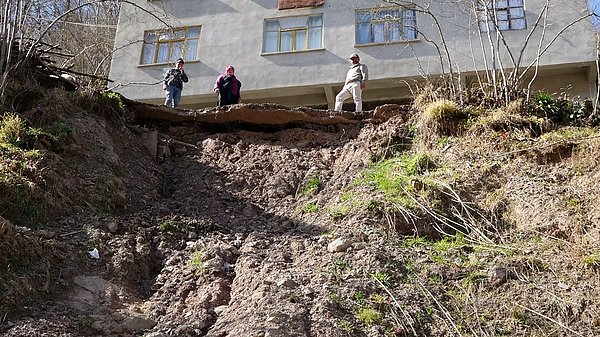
<point x="247" y="229"/>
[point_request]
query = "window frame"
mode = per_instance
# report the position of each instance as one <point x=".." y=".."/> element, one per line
<point x="171" y="42"/>
<point x="488" y="18"/>
<point x="293" y="31"/>
<point x="402" y="25"/>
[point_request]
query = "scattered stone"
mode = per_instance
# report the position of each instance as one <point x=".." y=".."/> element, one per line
<point x="137" y="323"/>
<point x="287" y="282"/>
<point x="163" y="151"/>
<point x="339" y="245"/>
<point x="297" y="246"/>
<point x="120" y="199"/>
<point x="113" y="227"/>
<point x="275" y="318"/>
<point x="6" y="228"/>
<point x="46" y="234"/>
<point x="220" y="309"/>
<point x="179" y="150"/>
<point x="498" y="276"/>
<point x="192" y="235"/>
<point x="563" y="286"/>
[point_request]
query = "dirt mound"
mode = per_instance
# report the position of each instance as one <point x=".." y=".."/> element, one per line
<point x="307" y="227"/>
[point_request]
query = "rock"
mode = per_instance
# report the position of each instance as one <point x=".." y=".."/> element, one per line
<point x="46" y="234"/>
<point x="6" y="228"/>
<point x="297" y="246"/>
<point x="179" y="150"/>
<point x="137" y="323"/>
<point x="275" y="332"/>
<point x="120" y="199"/>
<point x="163" y="151"/>
<point x="497" y="276"/>
<point x="339" y="245"/>
<point x="113" y="227"/>
<point x="150" y="141"/>
<point x="220" y="309"/>
<point x="287" y="282"/>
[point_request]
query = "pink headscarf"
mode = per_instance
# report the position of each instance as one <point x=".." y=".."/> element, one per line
<point x="229" y="67"/>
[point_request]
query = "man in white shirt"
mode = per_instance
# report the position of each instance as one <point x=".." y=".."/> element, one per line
<point x="356" y="81"/>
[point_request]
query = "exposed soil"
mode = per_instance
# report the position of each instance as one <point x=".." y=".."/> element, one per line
<point x="222" y="233"/>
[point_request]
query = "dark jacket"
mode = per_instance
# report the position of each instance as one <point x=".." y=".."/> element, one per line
<point x="229" y="89"/>
<point x="176" y="78"/>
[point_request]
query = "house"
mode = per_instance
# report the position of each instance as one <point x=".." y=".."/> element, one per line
<point x="295" y="52"/>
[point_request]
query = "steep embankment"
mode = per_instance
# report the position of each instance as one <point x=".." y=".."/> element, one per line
<point x="312" y="228"/>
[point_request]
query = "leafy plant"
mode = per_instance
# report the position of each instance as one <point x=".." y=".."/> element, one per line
<point x="345" y="326"/>
<point x="114" y="100"/>
<point x="336" y="298"/>
<point x="168" y="226"/>
<point x="358" y="296"/>
<point x="196" y="261"/>
<point x="12" y="129"/>
<point x="547" y="104"/>
<point x="382" y="277"/>
<point x="369" y="316"/>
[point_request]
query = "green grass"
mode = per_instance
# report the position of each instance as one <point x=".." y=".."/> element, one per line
<point x="592" y="260"/>
<point x="382" y="277"/>
<point x="310" y="207"/>
<point x="392" y="177"/>
<point x="339" y="212"/>
<point x="312" y="184"/>
<point x="441" y="110"/>
<point x="450" y="242"/>
<point x="414" y="241"/>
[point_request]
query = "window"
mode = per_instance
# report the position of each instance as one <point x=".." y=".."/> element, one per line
<point x="293" y="34"/>
<point x="503" y="14"/>
<point x="381" y="25"/>
<point x="163" y="46"/>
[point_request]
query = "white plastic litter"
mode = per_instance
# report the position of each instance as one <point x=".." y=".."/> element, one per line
<point x="94" y="253"/>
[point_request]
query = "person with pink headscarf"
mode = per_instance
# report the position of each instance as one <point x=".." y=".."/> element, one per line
<point x="227" y="87"/>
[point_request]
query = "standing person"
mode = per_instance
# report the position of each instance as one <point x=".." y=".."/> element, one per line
<point x="356" y="81"/>
<point x="173" y="83"/>
<point x="227" y="87"/>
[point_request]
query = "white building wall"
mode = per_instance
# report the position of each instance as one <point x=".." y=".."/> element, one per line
<point x="232" y="33"/>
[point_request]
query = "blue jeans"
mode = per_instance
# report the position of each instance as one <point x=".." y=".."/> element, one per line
<point x="173" y="96"/>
